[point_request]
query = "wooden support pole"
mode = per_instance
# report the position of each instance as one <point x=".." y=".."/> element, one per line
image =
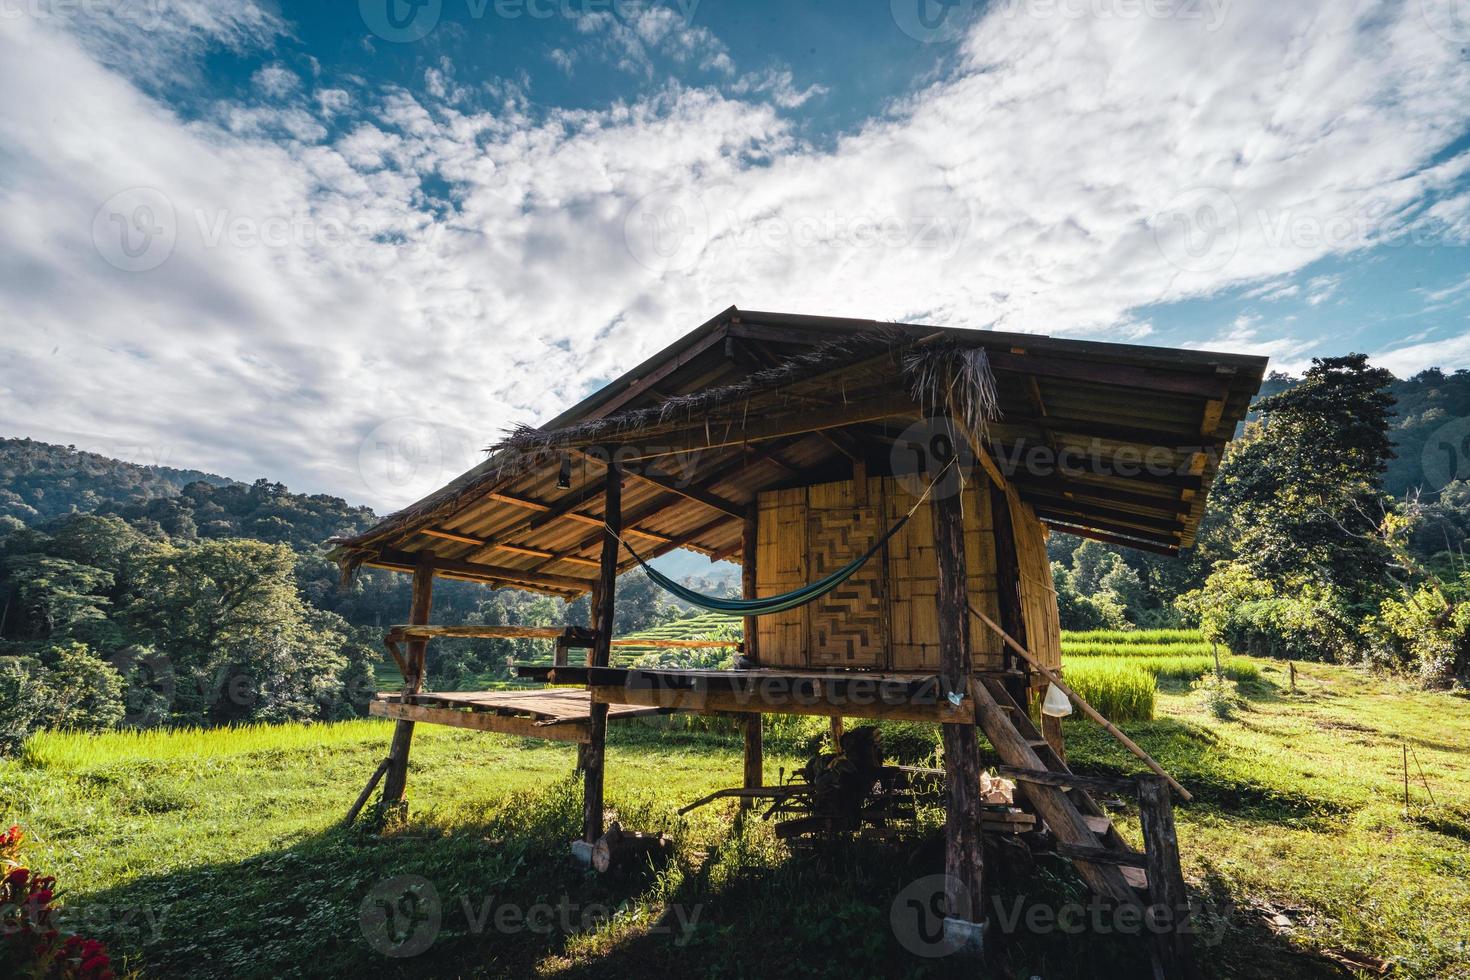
<point x="396" y="779"/>
<point x="1051" y="730"/>
<point x="963" y="857"/>
<point x="1167" y="893"/>
<point x="836" y="732"/>
<point x="1008" y="586"/>
<point x="750" y="545"/>
<point x="755" y="774"/>
<point x="367" y="791"/>
<point x="594" y="754"/>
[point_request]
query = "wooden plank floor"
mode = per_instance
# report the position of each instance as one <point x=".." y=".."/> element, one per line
<point x="557" y="704"/>
<point x="555" y="714"/>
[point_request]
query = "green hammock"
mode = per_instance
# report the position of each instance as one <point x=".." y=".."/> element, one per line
<point x="772" y="604"/>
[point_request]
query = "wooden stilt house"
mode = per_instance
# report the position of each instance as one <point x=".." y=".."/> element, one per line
<point x="797" y="445"/>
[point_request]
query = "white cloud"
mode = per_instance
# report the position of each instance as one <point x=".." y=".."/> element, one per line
<point x="1063" y="174"/>
<point x="1322" y="288"/>
<point x="276" y="81"/>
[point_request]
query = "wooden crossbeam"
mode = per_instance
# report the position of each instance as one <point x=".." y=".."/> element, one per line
<point x="482" y="721"/>
<point x="1149" y="535"/>
<point x="1073" y="526"/>
<point x="490" y="544"/>
<point x="1112" y="375"/>
<point x="488" y="573"/>
<point x="781" y="702"/>
<point x="715" y="435"/>
<point x="679" y="488"/>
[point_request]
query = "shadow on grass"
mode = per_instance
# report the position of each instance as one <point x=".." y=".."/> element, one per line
<point x="1191" y="753"/>
<point x="497" y="894"/>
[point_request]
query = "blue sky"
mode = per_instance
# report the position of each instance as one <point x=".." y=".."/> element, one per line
<point x="344" y="244"/>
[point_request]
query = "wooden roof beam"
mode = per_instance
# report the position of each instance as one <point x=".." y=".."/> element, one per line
<point x="1084" y="463"/>
<point x="490" y="544"/>
<point x="1154" y="547"/>
<point x="671" y="485"/>
<point x="1113" y="527"/>
<point x="720" y="435"/>
<point x="1144" y="379"/>
<point x="488" y="573"/>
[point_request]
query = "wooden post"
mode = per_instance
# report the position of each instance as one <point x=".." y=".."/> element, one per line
<point x="755" y="774"/>
<point x="1167" y="894"/>
<point x="1051" y="730"/>
<point x="754" y="724"/>
<point x="835" y="725"/>
<point x="395" y="781"/>
<point x="594" y="754"/>
<point x="1008" y="587"/>
<point x="963" y="857"/>
<point x="749" y="546"/>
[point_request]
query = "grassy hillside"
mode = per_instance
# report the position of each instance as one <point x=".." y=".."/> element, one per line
<point x="217" y="854"/>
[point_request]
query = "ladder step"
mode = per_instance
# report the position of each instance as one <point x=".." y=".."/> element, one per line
<point x="1136" y="877"/>
<point x="1098" y="825"/>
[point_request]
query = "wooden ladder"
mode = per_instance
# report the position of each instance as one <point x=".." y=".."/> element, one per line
<point x="1083" y="830"/>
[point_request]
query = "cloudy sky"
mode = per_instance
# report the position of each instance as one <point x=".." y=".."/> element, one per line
<point x="343" y="244"/>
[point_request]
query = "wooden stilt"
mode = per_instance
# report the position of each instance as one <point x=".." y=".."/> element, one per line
<point x="749" y="546"/>
<point x="594" y="754"/>
<point x="1008" y="582"/>
<point x="1167" y="893"/>
<point x="963" y="858"/>
<point x="395" y="780"/>
<point x="755" y="775"/>
<point x="836" y="733"/>
<point x="1051" y="730"/>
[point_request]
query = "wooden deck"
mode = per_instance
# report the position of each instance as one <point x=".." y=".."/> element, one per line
<point x="836" y="694"/>
<point x="556" y="714"/>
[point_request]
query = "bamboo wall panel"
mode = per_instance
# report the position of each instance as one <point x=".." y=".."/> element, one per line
<point x="848" y="626"/>
<point x="781" y="566"/>
<point x="884" y="618"/>
<point x="1038" y="597"/>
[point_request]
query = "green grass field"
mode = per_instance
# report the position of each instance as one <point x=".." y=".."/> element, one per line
<point x="217" y="853"/>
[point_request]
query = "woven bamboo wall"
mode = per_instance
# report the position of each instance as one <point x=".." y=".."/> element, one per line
<point x="884" y="618"/>
<point x="1038" y="597"/>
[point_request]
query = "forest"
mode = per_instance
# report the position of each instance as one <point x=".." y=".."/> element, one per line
<point x="136" y="596"/>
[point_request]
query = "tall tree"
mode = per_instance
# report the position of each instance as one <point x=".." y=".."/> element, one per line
<point x="1301" y="493"/>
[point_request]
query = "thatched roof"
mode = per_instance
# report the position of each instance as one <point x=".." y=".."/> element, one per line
<point x="753" y="401"/>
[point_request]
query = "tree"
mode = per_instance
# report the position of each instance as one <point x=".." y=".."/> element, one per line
<point x="241" y="641"/>
<point x="1300" y="493"/>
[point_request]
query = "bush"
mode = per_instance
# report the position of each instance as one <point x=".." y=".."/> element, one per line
<point x="67" y="687"/>
<point x="1121" y="691"/>
<point x="1425" y="632"/>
